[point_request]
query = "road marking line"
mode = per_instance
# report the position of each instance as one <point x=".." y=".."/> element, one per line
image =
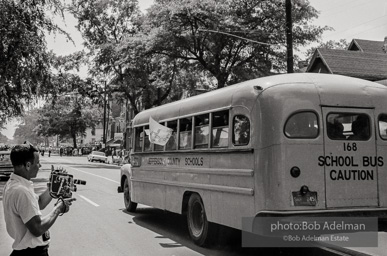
<point x="93" y="174"/>
<point x="88" y="200"/>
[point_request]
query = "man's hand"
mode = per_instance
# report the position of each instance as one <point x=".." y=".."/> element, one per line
<point x="64" y="204"/>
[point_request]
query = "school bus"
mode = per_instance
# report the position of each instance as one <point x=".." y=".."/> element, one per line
<point x="284" y="145"/>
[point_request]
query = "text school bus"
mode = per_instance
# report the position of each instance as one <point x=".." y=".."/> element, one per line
<point x="285" y="145"/>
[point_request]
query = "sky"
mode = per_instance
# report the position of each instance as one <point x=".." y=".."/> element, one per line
<point x="360" y="19"/>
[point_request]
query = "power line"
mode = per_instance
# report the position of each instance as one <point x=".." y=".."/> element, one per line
<point x="336" y="6"/>
<point x="243" y="38"/>
<point x="348" y="8"/>
<point x="382" y="25"/>
<point x="358" y="25"/>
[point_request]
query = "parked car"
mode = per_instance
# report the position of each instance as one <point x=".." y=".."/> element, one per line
<point x="97" y="156"/>
<point x="6" y="167"/>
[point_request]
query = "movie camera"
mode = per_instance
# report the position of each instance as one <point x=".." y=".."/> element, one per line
<point x="62" y="184"/>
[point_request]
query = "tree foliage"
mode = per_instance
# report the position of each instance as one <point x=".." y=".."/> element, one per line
<point x="27" y="129"/>
<point x="24" y="59"/>
<point x="120" y="55"/>
<point x="68" y="117"/>
<point x="222" y="35"/>
<point x="3" y="139"/>
<point x="342" y="44"/>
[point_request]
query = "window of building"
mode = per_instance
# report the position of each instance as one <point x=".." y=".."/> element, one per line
<point x="220" y="129"/>
<point x="202" y="123"/>
<point x="302" y="125"/>
<point x="241" y="130"/>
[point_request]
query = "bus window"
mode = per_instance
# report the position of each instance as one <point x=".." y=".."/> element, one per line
<point x="220" y="129"/>
<point x="241" y="130"/>
<point x="172" y="142"/>
<point x="335" y="127"/>
<point x="147" y="144"/>
<point x="159" y="147"/>
<point x="383" y="126"/>
<point x="202" y="135"/>
<point x="185" y="134"/>
<point x="350" y="126"/>
<point x="302" y="125"/>
<point x="138" y="139"/>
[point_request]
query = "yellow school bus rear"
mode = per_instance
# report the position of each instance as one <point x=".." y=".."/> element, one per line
<point x="309" y="158"/>
<point x="285" y="145"/>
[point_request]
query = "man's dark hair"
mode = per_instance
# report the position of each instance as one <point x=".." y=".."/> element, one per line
<point x="23" y="153"/>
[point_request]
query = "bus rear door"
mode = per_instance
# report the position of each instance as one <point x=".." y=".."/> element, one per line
<point x="350" y="159"/>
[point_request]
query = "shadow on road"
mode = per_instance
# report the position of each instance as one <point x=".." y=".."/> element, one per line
<point x="173" y="226"/>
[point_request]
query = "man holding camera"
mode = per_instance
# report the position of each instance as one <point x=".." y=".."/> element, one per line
<point x="24" y="221"/>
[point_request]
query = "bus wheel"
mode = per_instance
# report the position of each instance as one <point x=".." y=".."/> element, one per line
<point x="201" y="231"/>
<point x="129" y="204"/>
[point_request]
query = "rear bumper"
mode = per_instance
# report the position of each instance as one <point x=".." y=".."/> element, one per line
<point x="99" y="159"/>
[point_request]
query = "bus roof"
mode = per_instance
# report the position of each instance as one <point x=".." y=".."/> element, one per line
<point x="326" y="84"/>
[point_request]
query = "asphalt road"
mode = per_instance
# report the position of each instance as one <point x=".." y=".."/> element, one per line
<point x="98" y="224"/>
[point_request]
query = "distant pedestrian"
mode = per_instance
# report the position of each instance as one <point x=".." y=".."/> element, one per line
<point x="49" y="152"/>
<point x="61" y="151"/>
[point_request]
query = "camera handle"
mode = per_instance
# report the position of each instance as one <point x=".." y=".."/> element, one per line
<point x="60" y="188"/>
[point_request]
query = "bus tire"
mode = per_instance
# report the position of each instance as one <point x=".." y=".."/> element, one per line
<point x="130" y="206"/>
<point x="202" y="232"/>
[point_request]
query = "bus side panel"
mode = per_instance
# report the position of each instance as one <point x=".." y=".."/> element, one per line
<point x="277" y="154"/>
<point x="379" y="101"/>
<point x="145" y="188"/>
<point x="274" y="168"/>
<point x="229" y="209"/>
<point x="382" y="172"/>
<point x="174" y="198"/>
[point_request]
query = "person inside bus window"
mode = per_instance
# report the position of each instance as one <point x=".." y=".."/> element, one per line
<point x="335" y="130"/>
<point x="241" y="130"/>
<point x="360" y="128"/>
<point x="185" y="136"/>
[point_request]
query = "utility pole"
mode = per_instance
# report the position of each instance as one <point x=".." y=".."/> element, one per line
<point x="104" y="117"/>
<point x="108" y="117"/>
<point x="289" y="36"/>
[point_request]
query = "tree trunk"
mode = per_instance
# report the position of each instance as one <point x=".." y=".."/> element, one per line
<point x="222" y="79"/>
<point x="74" y="140"/>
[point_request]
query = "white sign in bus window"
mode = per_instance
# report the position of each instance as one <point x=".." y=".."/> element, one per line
<point x="158" y="134"/>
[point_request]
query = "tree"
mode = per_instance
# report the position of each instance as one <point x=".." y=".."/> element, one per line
<point x="119" y="51"/>
<point x="342" y="44"/>
<point x="24" y="59"/>
<point x="27" y="129"/>
<point x="3" y="139"/>
<point x="68" y="117"/>
<point x="222" y="36"/>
